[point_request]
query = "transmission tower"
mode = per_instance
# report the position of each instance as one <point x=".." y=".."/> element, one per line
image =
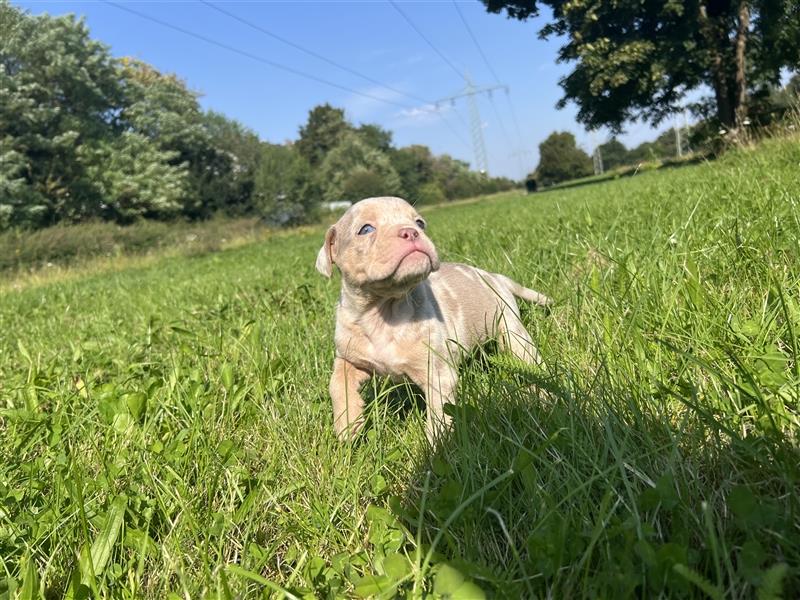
<point x="682" y="131"/>
<point x="476" y="125"/>
<point x="597" y="155"/>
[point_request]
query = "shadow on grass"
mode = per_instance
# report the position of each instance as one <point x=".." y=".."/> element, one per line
<point x="545" y="487"/>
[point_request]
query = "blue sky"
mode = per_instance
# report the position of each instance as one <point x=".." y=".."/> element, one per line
<point x="370" y="37"/>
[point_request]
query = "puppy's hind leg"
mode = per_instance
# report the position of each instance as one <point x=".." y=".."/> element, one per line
<point x="514" y="337"/>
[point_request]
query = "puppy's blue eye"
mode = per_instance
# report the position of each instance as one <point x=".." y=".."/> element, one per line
<point x="366" y="229"/>
<point x="420" y="223"/>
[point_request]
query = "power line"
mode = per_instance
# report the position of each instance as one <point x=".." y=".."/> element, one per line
<point x="476" y="127"/>
<point x="311" y="52"/>
<point x="424" y="37"/>
<point x="506" y="136"/>
<point x="488" y="66"/>
<point x="340" y="66"/>
<point x="441" y="55"/>
<point x="497" y="80"/>
<point x="514" y="118"/>
<point x="477" y="45"/>
<point x="255" y="57"/>
<point x="288" y="69"/>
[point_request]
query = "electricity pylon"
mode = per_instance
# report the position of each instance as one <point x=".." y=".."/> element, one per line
<point x="476" y="125"/>
<point x="597" y="155"/>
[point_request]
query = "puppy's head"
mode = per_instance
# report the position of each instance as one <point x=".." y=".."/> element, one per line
<point x="380" y="247"/>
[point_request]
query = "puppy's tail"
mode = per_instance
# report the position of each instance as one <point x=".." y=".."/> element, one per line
<point x="530" y="295"/>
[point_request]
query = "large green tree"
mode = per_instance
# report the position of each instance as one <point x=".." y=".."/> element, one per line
<point x="325" y="128"/>
<point x="136" y="179"/>
<point x="414" y="164"/>
<point x="614" y="154"/>
<point x="560" y="159"/>
<point x="637" y="59"/>
<point x="283" y="194"/>
<point x="162" y="108"/>
<point x="353" y="169"/>
<point x="375" y="136"/>
<point x="243" y="149"/>
<point x="58" y="95"/>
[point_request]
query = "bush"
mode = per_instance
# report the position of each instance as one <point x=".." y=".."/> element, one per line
<point x="431" y="193"/>
<point x="362" y="183"/>
<point x="68" y="244"/>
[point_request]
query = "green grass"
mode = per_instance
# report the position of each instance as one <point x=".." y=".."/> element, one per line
<point x="165" y="430"/>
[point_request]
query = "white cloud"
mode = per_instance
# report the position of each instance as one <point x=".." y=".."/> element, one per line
<point x="421" y="115"/>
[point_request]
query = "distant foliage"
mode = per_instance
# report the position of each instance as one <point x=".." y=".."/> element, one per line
<point x="350" y="160"/>
<point x="560" y="159"/>
<point x="283" y="193"/>
<point x="325" y="129"/>
<point x="414" y="165"/>
<point x="59" y="91"/>
<point x="431" y="193"/>
<point x="614" y="154"/>
<point x="136" y="179"/>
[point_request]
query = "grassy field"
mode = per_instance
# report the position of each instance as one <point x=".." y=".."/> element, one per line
<point x="165" y="430"/>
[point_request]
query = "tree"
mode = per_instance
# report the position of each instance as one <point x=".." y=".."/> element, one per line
<point x="414" y="164"/>
<point x="454" y="177"/>
<point x="243" y="148"/>
<point x="136" y="179"/>
<point x="350" y="159"/>
<point x="375" y="136"/>
<point x="664" y="146"/>
<point x="560" y="159"/>
<point x="638" y="59"/>
<point x="230" y="136"/>
<point x="58" y="93"/>
<point x="430" y="193"/>
<point x="614" y="154"/>
<point x="325" y="128"/>
<point x="282" y="180"/>
<point x="161" y="107"/>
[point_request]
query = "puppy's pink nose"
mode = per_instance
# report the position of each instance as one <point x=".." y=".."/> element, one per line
<point x="408" y="233"/>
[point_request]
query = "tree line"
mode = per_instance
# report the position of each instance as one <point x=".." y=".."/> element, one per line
<point x="637" y="60"/>
<point x="560" y="158"/>
<point x="86" y="136"/>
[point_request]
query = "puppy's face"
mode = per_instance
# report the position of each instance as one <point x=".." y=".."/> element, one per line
<point x="380" y="246"/>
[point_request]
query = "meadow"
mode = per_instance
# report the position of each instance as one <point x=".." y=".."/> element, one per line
<point x="165" y="429"/>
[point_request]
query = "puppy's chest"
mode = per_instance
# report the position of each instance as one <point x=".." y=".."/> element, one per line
<point x="382" y="349"/>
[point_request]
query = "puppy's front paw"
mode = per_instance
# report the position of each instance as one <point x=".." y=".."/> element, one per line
<point x="347" y="431"/>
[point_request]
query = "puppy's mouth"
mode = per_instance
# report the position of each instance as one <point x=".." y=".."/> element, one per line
<point x="413" y="250"/>
<point x="409" y="268"/>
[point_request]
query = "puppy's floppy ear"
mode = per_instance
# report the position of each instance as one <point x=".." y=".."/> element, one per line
<point x="325" y="255"/>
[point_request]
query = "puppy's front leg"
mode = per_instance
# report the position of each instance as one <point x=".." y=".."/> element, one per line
<point x="440" y="388"/>
<point x="348" y="405"/>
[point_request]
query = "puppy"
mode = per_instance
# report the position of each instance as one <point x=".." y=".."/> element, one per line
<point x="404" y="314"/>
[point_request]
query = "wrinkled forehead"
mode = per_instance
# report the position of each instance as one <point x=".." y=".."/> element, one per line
<point x="379" y="210"/>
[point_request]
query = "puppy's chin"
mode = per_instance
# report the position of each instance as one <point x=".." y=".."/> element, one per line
<point x="410" y="271"/>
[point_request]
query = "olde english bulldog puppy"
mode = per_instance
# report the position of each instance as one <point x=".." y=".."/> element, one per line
<point x="402" y="313"/>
